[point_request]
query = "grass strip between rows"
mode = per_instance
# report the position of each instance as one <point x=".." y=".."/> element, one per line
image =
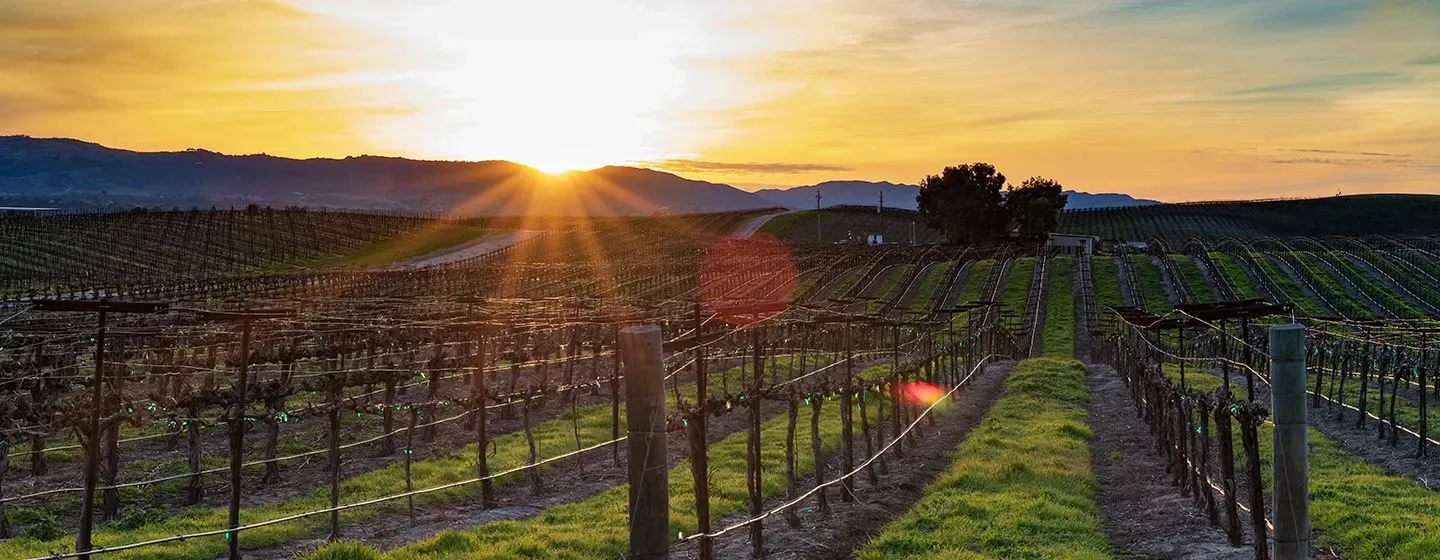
<point x="552" y="438"/>
<point x="1020" y="486"/>
<point x="597" y="527"/>
<point x="1059" y="336"/>
<point x="1354" y="504"/>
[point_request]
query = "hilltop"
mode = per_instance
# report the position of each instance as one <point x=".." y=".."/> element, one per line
<point x="72" y="173"/>
<point x="1367" y="214"/>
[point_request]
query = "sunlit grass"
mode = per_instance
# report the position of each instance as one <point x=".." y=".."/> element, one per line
<point x="552" y="438"/>
<point x="1020" y="486"/>
<point x="1059" y="336"/>
<point x="399" y="249"/>
<point x="597" y="527"/>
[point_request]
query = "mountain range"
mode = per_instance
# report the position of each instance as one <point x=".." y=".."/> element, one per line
<point x="73" y="174"/>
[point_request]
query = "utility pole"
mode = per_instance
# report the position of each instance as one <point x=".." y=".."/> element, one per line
<point x="818" y="238"/>
<point x="881" y="211"/>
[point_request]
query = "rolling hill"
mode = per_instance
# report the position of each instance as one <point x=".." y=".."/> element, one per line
<point x="75" y="174"/>
<point x="1378" y="214"/>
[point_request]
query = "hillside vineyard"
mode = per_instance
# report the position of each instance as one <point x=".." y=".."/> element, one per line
<point x="273" y="383"/>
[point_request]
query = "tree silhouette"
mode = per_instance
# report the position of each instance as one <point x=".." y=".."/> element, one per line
<point x="1034" y="207"/>
<point x="964" y="201"/>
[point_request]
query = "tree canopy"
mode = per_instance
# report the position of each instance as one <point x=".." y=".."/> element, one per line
<point x="966" y="202"/>
<point x="1034" y="207"/>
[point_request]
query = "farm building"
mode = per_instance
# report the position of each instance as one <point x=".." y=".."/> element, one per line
<point x="1070" y="244"/>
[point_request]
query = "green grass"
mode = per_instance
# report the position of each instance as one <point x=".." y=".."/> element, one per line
<point x="974" y="286"/>
<point x="1234" y="275"/>
<point x="1413" y="281"/>
<point x="1020" y="486"/>
<point x="1195" y="281"/>
<point x="1303" y="304"/>
<point x="1367" y="514"/>
<point x="1306" y="265"/>
<point x="597" y="527"/>
<point x="1107" y="284"/>
<point x="398" y="249"/>
<point x="1060" y="311"/>
<point x="889" y="286"/>
<point x="783" y="226"/>
<point x="1147" y="277"/>
<point x="1017" y="289"/>
<point x="552" y="438"/>
<point x="929" y="283"/>
<point x="1367" y="283"/>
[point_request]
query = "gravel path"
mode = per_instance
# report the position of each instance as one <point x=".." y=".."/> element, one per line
<point x="474" y="248"/>
<point x="748" y="229"/>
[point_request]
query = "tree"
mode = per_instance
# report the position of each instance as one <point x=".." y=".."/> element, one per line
<point x="964" y="202"/>
<point x="1034" y="207"/>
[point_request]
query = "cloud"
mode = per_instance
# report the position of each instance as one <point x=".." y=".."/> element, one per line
<point x="691" y="166"/>
<point x="1320" y="151"/>
<point x="158" y="74"/>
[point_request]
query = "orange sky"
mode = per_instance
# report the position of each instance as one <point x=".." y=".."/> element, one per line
<point x="1161" y="99"/>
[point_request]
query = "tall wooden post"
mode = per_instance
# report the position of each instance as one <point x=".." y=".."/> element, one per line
<point x="1291" y="464"/>
<point x="641" y="350"/>
<point x="237" y="437"/>
<point x="92" y="445"/>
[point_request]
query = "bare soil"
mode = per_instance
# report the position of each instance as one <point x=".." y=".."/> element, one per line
<point x="1145" y="516"/>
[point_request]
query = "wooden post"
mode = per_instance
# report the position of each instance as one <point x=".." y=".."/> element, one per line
<point x="1225" y="437"/>
<point x="753" y="465"/>
<point x="482" y="438"/>
<point x="640" y="348"/>
<point x="1249" y="439"/>
<point x="92" y="446"/>
<point x="237" y="438"/>
<point x="699" y="459"/>
<point x="615" y="396"/>
<point x="333" y="390"/>
<point x="1291" y="464"/>
<point x="410" y="457"/>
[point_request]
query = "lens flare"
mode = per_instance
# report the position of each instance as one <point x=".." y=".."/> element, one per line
<point x="924" y="394"/>
<point x="744" y="281"/>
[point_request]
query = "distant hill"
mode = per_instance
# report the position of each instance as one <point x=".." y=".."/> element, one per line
<point x="1383" y="214"/>
<point x="75" y="174"/>
<point x="866" y="193"/>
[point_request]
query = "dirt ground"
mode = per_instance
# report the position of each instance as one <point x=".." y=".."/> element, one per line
<point x="1144" y="514"/>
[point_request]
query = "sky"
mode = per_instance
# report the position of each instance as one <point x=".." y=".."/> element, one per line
<point x="1164" y="99"/>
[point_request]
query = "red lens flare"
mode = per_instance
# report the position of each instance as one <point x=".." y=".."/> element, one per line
<point x="743" y="281"/>
<point x="923" y="394"/>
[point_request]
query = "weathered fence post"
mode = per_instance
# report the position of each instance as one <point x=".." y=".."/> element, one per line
<point x="1292" y="499"/>
<point x="640" y="349"/>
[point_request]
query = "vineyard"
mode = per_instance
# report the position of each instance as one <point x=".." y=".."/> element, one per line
<point x="270" y="384"/>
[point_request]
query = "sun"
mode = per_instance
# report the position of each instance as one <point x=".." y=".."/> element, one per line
<point x="593" y="84"/>
<point x="558" y="166"/>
